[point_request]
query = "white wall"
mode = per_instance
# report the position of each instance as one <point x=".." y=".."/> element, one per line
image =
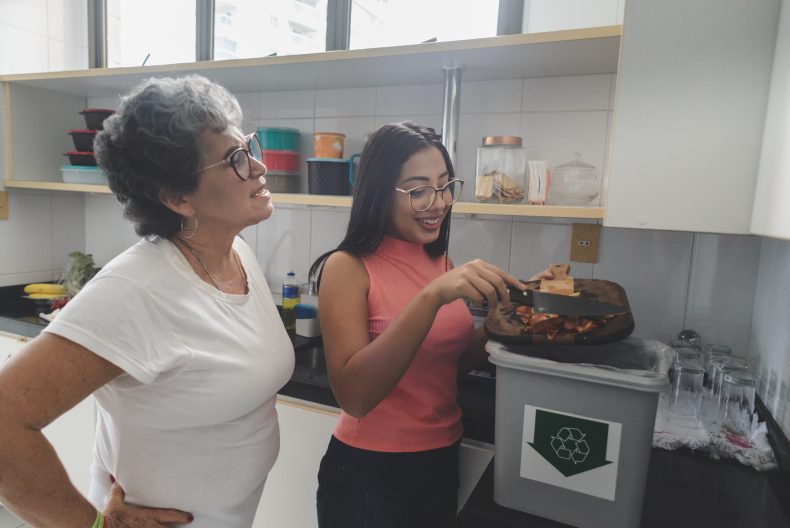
<point x="43" y="35"/>
<point x="770" y="339"/>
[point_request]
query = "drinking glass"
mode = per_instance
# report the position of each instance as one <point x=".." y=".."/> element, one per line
<point x="710" y="351"/>
<point x="726" y="366"/>
<point x="685" y="396"/>
<point x="737" y="402"/>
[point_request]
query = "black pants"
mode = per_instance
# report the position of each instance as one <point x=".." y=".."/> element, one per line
<point x="370" y="489"/>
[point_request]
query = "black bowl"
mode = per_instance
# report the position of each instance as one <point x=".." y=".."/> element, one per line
<point x="94" y="117"/>
<point x="83" y="139"/>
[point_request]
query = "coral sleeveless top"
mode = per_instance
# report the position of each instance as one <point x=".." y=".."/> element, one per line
<point x="421" y="412"/>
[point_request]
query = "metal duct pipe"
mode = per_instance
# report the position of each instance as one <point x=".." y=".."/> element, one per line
<point x="452" y="108"/>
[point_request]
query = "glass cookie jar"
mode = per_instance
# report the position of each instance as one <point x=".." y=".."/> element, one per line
<point x="501" y="174"/>
<point x="574" y="183"/>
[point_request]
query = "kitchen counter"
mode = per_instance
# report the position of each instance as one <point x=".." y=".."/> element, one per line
<point x="684" y="489"/>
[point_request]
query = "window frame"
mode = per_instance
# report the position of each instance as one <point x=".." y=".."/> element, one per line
<point x="338" y="27"/>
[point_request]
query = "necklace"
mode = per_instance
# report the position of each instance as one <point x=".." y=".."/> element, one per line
<point x="214" y="281"/>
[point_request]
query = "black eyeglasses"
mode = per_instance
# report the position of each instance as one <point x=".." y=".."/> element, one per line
<point x="422" y="198"/>
<point x="239" y="158"/>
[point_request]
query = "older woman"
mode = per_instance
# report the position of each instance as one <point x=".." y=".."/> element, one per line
<point x="178" y="337"/>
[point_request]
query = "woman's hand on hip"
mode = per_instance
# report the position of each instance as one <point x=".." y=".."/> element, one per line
<point x="118" y="514"/>
<point x="475" y="281"/>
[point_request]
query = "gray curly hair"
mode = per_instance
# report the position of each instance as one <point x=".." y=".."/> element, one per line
<point x="152" y="145"/>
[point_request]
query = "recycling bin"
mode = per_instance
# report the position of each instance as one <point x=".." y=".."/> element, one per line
<point x="574" y="428"/>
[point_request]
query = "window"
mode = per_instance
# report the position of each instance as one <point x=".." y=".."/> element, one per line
<point x="377" y="23"/>
<point x="150" y="32"/>
<point x="254" y="29"/>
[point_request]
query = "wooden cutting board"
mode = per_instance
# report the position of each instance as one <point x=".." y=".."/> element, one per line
<point x="506" y="327"/>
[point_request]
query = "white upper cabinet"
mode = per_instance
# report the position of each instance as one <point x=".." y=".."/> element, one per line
<point x="689" y="114"/>
<point x="771" y="215"/>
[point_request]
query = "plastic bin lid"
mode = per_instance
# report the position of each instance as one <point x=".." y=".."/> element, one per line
<point x="634" y="363"/>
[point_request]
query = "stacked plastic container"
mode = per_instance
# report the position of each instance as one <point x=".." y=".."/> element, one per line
<point x="82" y="161"/>
<point x="281" y="157"/>
<point x="327" y="171"/>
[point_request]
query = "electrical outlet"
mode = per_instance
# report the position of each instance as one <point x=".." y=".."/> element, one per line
<point x="584" y="242"/>
<point x="3" y="205"/>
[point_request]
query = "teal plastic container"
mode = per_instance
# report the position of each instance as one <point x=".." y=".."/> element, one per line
<point x="274" y="138"/>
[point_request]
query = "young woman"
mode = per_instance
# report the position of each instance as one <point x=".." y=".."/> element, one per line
<point x="178" y="337"/>
<point x="397" y="335"/>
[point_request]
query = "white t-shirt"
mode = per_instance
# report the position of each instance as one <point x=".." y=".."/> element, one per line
<point x="191" y="424"/>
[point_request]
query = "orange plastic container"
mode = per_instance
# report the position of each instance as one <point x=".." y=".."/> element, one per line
<point x="328" y="144"/>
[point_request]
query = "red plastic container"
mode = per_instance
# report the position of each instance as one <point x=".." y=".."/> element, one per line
<point x="94" y="117"/>
<point x="83" y="139"/>
<point x="281" y="160"/>
<point x="86" y="159"/>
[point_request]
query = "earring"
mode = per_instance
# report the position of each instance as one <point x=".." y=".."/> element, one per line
<point x="184" y="231"/>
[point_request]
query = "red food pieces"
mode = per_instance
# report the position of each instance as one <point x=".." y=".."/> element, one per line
<point x="552" y="325"/>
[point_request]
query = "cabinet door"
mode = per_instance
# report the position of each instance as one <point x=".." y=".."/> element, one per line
<point x="689" y="112"/>
<point x="771" y="215"/>
<point x="289" y="495"/>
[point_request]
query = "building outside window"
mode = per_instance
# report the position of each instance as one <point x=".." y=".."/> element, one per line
<point x="251" y="28"/>
<point x="378" y="23"/>
<point x="161" y="31"/>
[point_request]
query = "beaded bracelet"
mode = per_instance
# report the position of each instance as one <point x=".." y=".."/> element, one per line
<point x="99" y="522"/>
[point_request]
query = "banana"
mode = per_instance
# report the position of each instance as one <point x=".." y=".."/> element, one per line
<point x="45" y="288"/>
<point x="44" y="296"/>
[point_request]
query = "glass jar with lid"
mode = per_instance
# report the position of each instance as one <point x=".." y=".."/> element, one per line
<point x="501" y="174"/>
<point x="574" y="183"/>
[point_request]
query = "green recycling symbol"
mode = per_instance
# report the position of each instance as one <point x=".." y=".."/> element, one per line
<point x="571" y="444"/>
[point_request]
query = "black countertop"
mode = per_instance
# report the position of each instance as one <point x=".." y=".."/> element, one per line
<point x="684" y="489"/>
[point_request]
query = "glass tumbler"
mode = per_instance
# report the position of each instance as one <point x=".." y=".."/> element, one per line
<point x="726" y="366"/>
<point x="737" y="403"/>
<point x="685" y="396"/>
<point x="710" y="351"/>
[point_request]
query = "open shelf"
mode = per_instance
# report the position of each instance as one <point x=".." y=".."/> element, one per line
<point x="562" y="211"/>
<point x="568" y="52"/>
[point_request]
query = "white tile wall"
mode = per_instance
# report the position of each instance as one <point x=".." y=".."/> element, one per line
<point x="412" y="99"/>
<point x="43" y="35"/>
<point x="40" y="230"/>
<point x="770" y="335"/>
<point x="296" y="104"/>
<point x="107" y="233"/>
<point x="284" y="244"/>
<point x="345" y="102"/>
<point x="535" y="246"/>
<point x="653" y="267"/>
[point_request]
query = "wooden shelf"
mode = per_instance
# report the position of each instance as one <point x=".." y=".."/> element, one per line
<point x="569" y="52"/>
<point x="56" y="186"/>
<point x="562" y="211"/>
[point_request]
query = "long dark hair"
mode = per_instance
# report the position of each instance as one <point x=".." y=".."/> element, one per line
<point x="380" y="164"/>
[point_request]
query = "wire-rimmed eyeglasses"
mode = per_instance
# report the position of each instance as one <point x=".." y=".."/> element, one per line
<point x="421" y="198"/>
<point x="239" y="158"/>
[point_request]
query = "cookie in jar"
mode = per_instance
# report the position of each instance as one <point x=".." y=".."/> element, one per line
<point x="501" y="174"/>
